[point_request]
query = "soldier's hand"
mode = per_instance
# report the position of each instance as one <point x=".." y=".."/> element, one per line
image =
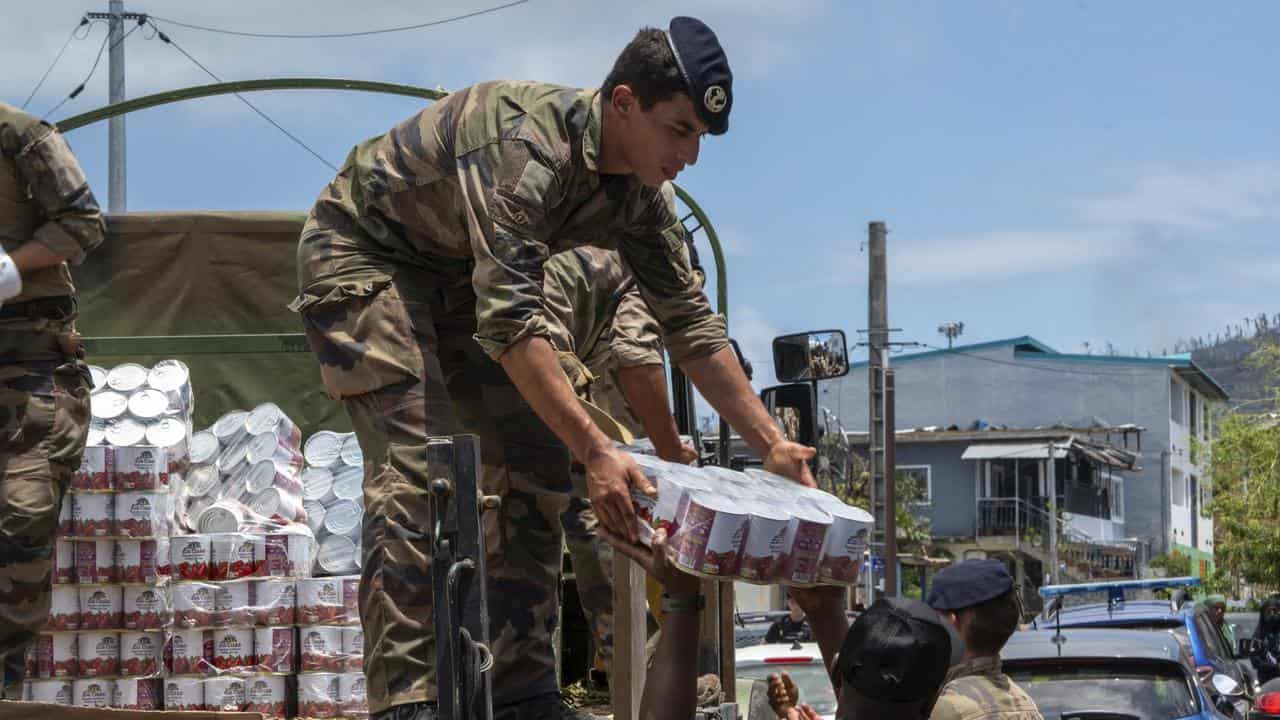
<point x="683" y="454"/>
<point x="791" y="459"/>
<point x="611" y="473"/>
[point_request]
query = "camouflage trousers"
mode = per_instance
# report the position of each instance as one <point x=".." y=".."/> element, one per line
<point x="593" y="568"/>
<point x="44" y="421"/>
<point x="399" y="352"/>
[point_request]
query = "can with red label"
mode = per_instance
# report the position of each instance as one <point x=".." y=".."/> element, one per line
<point x="233" y="648"/>
<point x="52" y="692"/>
<point x="353" y="647"/>
<point x="233" y="555"/>
<point x="64" y="562"/>
<point x="96" y="562"/>
<point x="224" y="693"/>
<point x="321" y="601"/>
<point x="274" y="602"/>
<point x="232" y="604"/>
<point x="93" y="693"/>
<point x="184" y="694"/>
<point x="97" y="469"/>
<point x="170" y="435"/>
<point x="273" y="649"/>
<point x="66" y="516"/>
<point x="64" y="608"/>
<point x="189" y="556"/>
<point x="188" y="652"/>
<point x="53" y="655"/>
<point x="319" y="695"/>
<point x="101" y="607"/>
<point x="140" y="653"/>
<point x="322" y="649"/>
<point x="266" y="695"/>
<point x="354" y="700"/>
<point x="193" y="604"/>
<point x="99" y="653"/>
<point x="145" y="607"/>
<point x="141" y="467"/>
<point x="141" y="514"/>
<point x="92" y="514"/>
<point x="142" y="561"/>
<point x="134" y="693"/>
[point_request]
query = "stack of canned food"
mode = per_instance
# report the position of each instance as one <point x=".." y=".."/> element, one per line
<point x="332" y="494"/>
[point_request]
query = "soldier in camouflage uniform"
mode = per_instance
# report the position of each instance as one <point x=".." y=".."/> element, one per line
<point x="420" y="273"/>
<point x="978" y="598"/>
<point x="610" y="347"/>
<point x="48" y="217"/>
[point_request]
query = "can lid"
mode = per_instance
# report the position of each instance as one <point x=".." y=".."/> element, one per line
<point x="348" y="484"/>
<point x="264" y="418"/>
<point x="351" y="453"/>
<point x="166" y="432"/>
<point x="108" y="404"/>
<point x="203" y="447"/>
<point x="262" y="447"/>
<point x="337" y="554"/>
<point x="125" y="432"/>
<point x="168" y="375"/>
<point x="261" y="476"/>
<point x="219" y="518"/>
<point x="127" y="377"/>
<point x="323" y="449"/>
<point x="315" y="514"/>
<point x="197" y="506"/>
<point x="343" y="517"/>
<point x="97" y="435"/>
<point x="232" y="456"/>
<point x="266" y="502"/>
<point x="201" y="480"/>
<point x="230" y="425"/>
<point x="317" y="483"/>
<point x="148" y="403"/>
<point x="99" y="377"/>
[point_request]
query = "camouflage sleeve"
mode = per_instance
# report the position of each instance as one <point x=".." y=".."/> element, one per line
<point x="508" y="186"/>
<point x="73" y="223"/>
<point x="657" y="257"/>
<point x="558" y="305"/>
<point x="636" y="338"/>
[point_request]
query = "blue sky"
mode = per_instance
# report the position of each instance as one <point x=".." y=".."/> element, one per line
<point x="1077" y="171"/>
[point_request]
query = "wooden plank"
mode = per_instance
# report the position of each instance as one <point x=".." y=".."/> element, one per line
<point x="630" y="637"/>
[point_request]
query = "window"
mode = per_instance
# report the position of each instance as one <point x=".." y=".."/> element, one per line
<point x="920" y="477"/>
<point x="1175" y="401"/>
<point x="1117" y="499"/>
<point x="1206" y="497"/>
<point x="1192" y="414"/>
<point x="1179" y="487"/>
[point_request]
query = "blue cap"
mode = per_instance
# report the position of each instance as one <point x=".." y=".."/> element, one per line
<point x="706" y="71"/>
<point x="969" y="583"/>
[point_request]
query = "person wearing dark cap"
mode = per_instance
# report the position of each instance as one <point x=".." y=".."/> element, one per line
<point x="978" y="598"/>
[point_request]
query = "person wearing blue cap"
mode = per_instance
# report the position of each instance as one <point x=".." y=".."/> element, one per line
<point x="978" y="598"/>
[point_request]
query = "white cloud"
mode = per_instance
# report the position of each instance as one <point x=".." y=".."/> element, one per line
<point x="1192" y="199"/>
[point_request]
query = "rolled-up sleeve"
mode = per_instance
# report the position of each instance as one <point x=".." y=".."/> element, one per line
<point x="636" y="339"/>
<point x="508" y="188"/>
<point x="73" y="222"/>
<point x="655" y="253"/>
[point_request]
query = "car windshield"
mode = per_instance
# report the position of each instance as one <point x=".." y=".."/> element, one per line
<point x="811" y="680"/>
<point x="1143" y="690"/>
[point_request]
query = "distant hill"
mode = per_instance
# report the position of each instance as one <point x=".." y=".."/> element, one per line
<point x="1225" y="357"/>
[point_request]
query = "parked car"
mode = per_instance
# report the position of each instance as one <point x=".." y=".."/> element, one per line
<point x="802" y="661"/>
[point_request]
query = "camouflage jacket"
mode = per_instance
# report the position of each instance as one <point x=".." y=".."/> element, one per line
<point x="978" y="690"/>
<point x="502" y="176"/>
<point x="44" y="197"/>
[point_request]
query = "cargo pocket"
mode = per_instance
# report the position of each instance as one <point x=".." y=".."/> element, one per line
<point x="361" y="333"/>
<point x="69" y="427"/>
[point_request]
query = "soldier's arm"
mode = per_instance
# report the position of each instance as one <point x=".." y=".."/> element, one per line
<point x="73" y="222"/>
<point x="636" y="344"/>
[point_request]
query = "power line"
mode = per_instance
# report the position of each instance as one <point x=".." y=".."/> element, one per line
<point x="292" y="36"/>
<point x="71" y="36"/>
<point x="101" y="49"/>
<point x="168" y="41"/>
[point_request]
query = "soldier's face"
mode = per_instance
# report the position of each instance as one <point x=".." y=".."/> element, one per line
<point x="661" y="141"/>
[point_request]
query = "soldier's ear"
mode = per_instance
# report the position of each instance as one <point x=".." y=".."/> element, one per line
<point x="623" y="99"/>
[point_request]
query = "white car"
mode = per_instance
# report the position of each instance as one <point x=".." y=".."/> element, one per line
<point x="802" y="661"/>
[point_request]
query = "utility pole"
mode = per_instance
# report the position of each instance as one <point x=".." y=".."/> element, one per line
<point x="1053" y="516"/>
<point x="116" y="17"/>
<point x="883" y="542"/>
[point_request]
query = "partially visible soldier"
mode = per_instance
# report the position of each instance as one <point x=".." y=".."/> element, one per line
<point x="978" y="598"/>
<point x="48" y="217"/>
<point x="610" y="347"/>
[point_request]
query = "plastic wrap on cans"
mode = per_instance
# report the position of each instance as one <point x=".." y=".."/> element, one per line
<point x="66" y="516"/>
<point x="846" y="541"/>
<point x="276" y="503"/>
<point x="317" y="485"/>
<point x="96" y="562"/>
<point x="709" y="540"/>
<point x="141" y="514"/>
<point x="230" y="428"/>
<point x="101" y="607"/>
<point x="322" y="649"/>
<point x="353" y="647"/>
<point x="266" y="474"/>
<point x="135" y="693"/>
<point x="147" y="404"/>
<point x="193" y="604"/>
<point x="765" y="548"/>
<point x="274" y="602"/>
<point x="203" y="448"/>
<point x="189" y="556"/>
<point x="92" y="515"/>
<point x="318" y="696"/>
<point x="343" y="517"/>
<point x="97" y="469"/>
<point x="329" y="600"/>
<point x="223" y="516"/>
<point x="273" y="649"/>
<point x="125" y="432"/>
<point x="352" y="456"/>
<point x="188" y="652"/>
<point x="233" y="648"/>
<point x="140" y="653"/>
<point x="127" y="377"/>
<point x="234" y="459"/>
<point x="64" y="608"/>
<point x="145" y="607"/>
<point x="93" y="692"/>
<point x="184" y="694"/>
<point x="289" y="553"/>
<point x="141" y="467"/>
<point x="97" y="432"/>
<point x="269" y="447"/>
<point x="266" y="694"/>
<point x="348" y="483"/>
<point x="268" y="417"/>
<point x="224" y="693"/>
<point x="806" y="533"/>
<point x="143" y="561"/>
<point x="99" y="653"/>
<point x="54" y="655"/>
<point x="52" y="692"/>
<point x="354" y="701"/>
<point x="234" y="555"/>
<point x="170" y="435"/>
<point x="98" y="377"/>
<point x="315" y="515"/>
<point x="108" y="405"/>
<point x="173" y="378"/>
<point x="64" y="560"/>
<point x="233" y="603"/>
<point x="337" y="555"/>
<point x="323" y="449"/>
<point x="201" y="481"/>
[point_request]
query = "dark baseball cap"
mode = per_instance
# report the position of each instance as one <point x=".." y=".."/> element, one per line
<point x="705" y="69"/>
<point x="969" y="583"/>
<point x="896" y="652"/>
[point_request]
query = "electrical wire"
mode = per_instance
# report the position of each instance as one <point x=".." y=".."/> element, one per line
<point x="363" y="33"/>
<point x="261" y="113"/>
<point x="96" y="61"/>
<point x="70" y="36"/>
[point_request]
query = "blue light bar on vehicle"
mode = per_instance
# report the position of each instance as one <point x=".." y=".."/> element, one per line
<point x="1117" y="589"/>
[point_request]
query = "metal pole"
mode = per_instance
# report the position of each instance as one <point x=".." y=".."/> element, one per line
<point x="891" y="582"/>
<point x="116" y="201"/>
<point x="878" y="341"/>
<point x="1053" y="518"/>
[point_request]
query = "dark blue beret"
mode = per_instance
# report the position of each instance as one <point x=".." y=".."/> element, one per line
<point x="706" y="71"/>
<point x="969" y="583"/>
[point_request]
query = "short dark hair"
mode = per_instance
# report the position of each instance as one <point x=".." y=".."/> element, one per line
<point x="647" y="66"/>
<point x="986" y="627"/>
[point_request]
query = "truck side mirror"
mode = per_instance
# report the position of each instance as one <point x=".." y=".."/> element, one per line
<point x="792" y="407"/>
<point x="817" y="355"/>
<point x="1248" y="647"/>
